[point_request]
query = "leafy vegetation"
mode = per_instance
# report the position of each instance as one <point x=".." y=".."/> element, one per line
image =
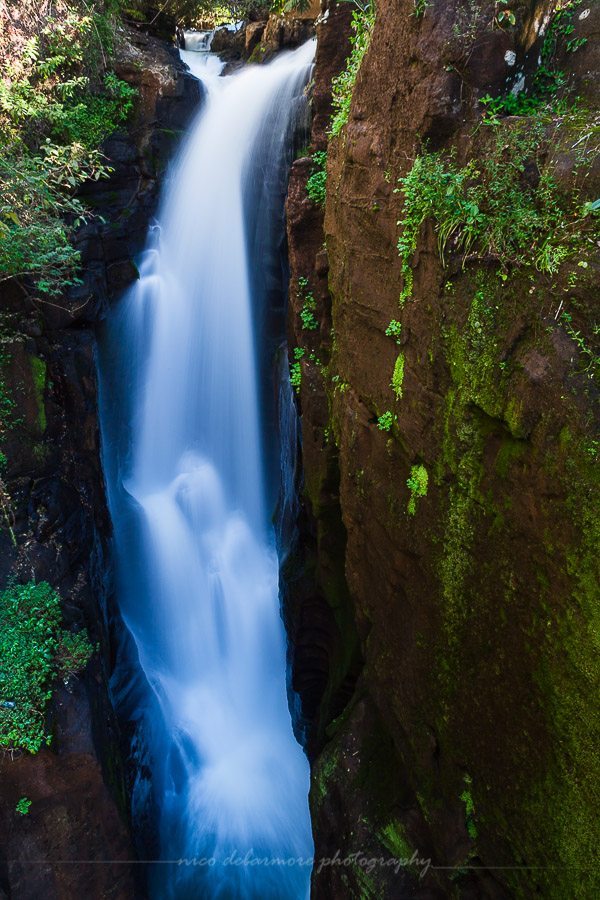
<point x="549" y="82"/>
<point x="7" y="408"/>
<point x="58" y="101"/>
<point x="590" y="360"/>
<point x="467" y="798"/>
<point x="504" y="16"/>
<point x="394" y="330"/>
<point x="317" y="183"/>
<point x="206" y="13"/>
<point x="363" y="20"/>
<point x="290" y="6"/>
<point x="505" y="207"/>
<point x="398" y="376"/>
<point x="34" y="651"/>
<point x="420" y="7"/>
<point x="309" y="306"/>
<point x="38" y="212"/>
<point x="418" y="484"/>
<point x="386" y="421"/>
<point x="296" y="369"/>
<point x="23" y="806"/>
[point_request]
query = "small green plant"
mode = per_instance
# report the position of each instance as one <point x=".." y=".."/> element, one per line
<point x="418" y="483"/>
<point x="467" y="799"/>
<point x="309" y="322"/>
<point x="398" y="376"/>
<point x="296" y="369"/>
<point x="316" y="186"/>
<point x="23" y="806"/>
<point x="420" y="7"/>
<point x="363" y="20"/>
<point x="34" y="651"/>
<point x="309" y="306"/>
<point x="386" y="421"/>
<point x="394" y="330"/>
<point x="307" y="316"/>
<point x="590" y="359"/>
<point x="340" y="386"/>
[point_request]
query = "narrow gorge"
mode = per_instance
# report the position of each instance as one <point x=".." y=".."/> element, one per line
<point x="299" y="449"/>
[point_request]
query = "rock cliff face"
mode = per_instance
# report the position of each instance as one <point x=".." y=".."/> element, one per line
<point x="452" y="694"/>
<point x="54" y="503"/>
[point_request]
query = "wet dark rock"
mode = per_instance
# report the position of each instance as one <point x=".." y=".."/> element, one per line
<point x="229" y="45"/>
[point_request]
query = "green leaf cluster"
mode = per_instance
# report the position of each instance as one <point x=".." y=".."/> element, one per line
<point x="467" y="798"/>
<point x="59" y="100"/>
<point x="386" y="421"/>
<point x="309" y="306"/>
<point x="39" y="212"/>
<point x="316" y="185"/>
<point x="296" y="369"/>
<point x="363" y="20"/>
<point x="505" y="206"/>
<point x="398" y="376"/>
<point x="23" y="806"/>
<point x="34" y="651"/>
<point x="418" y="484"/>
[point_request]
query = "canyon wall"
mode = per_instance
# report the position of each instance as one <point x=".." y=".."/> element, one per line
<point x="442" y="624"/>
<point x="444" y="592"/>
<point x="75" y="840"/>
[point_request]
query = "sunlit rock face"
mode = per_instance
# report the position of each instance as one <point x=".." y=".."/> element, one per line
<point x="473" y="615"/>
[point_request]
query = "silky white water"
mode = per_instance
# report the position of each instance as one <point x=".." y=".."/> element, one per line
<point x="197" y="572"/>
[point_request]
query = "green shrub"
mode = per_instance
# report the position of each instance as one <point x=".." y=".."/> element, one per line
<point x="34" y="651"/>
<point x="38" y="212"/>
<point x="290" y="6"/>
<point x="58" y="102"/>
<point x="90" y="118"/>
<point x="363" y="20"/>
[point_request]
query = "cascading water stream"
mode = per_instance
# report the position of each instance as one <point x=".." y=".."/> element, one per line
<point x="197" y="572"/>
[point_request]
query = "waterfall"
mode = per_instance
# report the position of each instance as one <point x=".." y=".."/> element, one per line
<point x="221" y="778"/>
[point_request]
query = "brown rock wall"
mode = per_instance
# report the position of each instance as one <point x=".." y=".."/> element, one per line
<point x="472" y="614"/>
